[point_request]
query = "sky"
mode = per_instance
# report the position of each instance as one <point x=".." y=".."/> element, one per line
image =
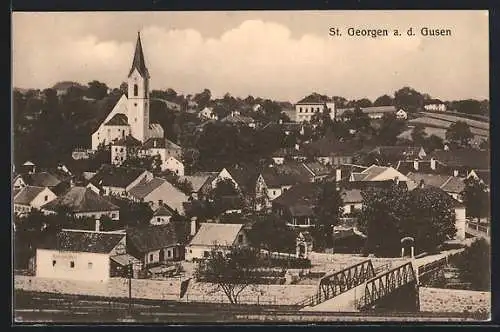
<point x="282" y="55"/>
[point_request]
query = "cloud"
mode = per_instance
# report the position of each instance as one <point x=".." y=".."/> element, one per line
<point x="259" y="58"/>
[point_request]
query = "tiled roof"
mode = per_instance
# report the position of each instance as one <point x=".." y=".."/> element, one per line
<point x="27" y="195"/>
<point x="128" y="141"/>
<point x="143" y="189"/>
<point x="160" y="143"/>
<point x="245" y="176"/>
<point x="198" y="180"/>
<point x="330" y="146"/>
<point x="119" y="177"/>
<point x="42" y="179"/>
<point x="301" y="210"/>
<point x="402" y="152"/>
<point x="294" y="170"/>
<point x="162" y="211"/>
<point x="75" y="241"/>
<point x="118" y="119"/>
<point x="300" y="194"/>
<point x="317" y="168"/>
<point x="125" y="259"/>
<point x="81" y="199"/>
<point x="450" y="184"/>
<point x="221" y="234"/>
<point x="274" y="179"/>
<point x="150" y="238"/>
<point x="475" y="159"/>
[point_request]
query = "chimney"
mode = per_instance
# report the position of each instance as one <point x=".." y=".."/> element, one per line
<point x="97" y="225"/>
<point x="455" y="173"/>
<point x="194" y="226"/>
<point x="338" y="175"/>
<point x="433" y="164"/>
<point x="422" y="184"/>
<point x="415" y="164"/>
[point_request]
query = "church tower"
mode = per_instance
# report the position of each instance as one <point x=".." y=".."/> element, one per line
<point x="138" y="95"/>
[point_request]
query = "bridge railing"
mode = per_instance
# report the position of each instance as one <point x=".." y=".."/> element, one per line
<point x="338" y="282"/>
<point x="429" y="267"/>
<point x="478" y="227"/>
<point x="384" y="284"/>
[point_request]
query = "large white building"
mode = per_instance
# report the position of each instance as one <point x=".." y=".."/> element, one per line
<point x="306" y="108"/>
<point x="130" y="116"/>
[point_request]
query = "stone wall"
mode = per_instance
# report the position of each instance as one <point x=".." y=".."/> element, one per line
<point x="451" y="300"/>
<point x="168" y="289"/>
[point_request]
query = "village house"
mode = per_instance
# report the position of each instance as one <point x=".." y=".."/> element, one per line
<point x="118" y="181"/>
<point x="31" y="197"/>
<point x="374" y="112"/>
<point x="174" y="165"/>
<point x="353" y="201"/>
<point x="123" y="149"/>
<point x="394" y="153"/>
<point x="154" y="245"/>
<point x="130" y="115"/>
<point x="435" y="105"/>
<point x="274" y="184"/>
<point x="283" y="154"/>
<point x="460" y="162"/>
<point x="161" y="216"/>
<point x="79" y="255"/>
<point x="296" y="205"/>
<point x="237" y="119"/>
<point x="208" y="113"/>
<point x="201" y="183"/>
<point x="378" y="173"/>
<point x="452" y="185"/>
<point x="165" y="149"/>
<point x="83" y="202"/>
<point x="484" y="176"/>
<point x="311" y="105"/>
<point x="158" y="192"/>
<point x="57" y="184"/>
<point x="211" y="236"/>
<point x="427" y="165"/>
<point x="401" y="115"/>
<point x="330" y="151"/>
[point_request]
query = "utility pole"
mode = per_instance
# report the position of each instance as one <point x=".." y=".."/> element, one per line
<point x="130" y="271"/>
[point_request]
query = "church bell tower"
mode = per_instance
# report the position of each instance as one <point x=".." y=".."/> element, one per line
<point x="138" y="95"/>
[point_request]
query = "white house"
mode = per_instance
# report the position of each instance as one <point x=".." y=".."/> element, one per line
<point x="163" y="148"/>
<point x="435" y="107"/>
<point x="307" y="107"/>
<point x="215" y="236"/>
<point x="83" y="202"/>
<point x="123" y="149"/>
<point x="208" y="114"/>
<point x="401" y="114"/>
<point x="161" y="216"/>
<point x="130" y="116"/>
<point x="353" y="201"/>
<point x="79" y="255"/>
<point x="174" y="165"/>
<point x="29" y="197"/>
<point x="158" y="192"/>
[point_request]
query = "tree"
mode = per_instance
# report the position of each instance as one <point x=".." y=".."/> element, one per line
<point x="408" y="99"/>
<point x="203" y="98"/>
<point x="124" y="88"/>
<point x="328" y="209"/>
<point x="390" y="128"/>
<point x="474" y="265"/>
<point x="476" y="198"/>
<point x="97" y="90"/>
<point x="459" y="133"/>
<point x="271" y="233"/>
<point x="433" y="142"/>
<point x="231" y="270"/>
<point x="364" y="102"/>
<point x="426" y="214"/>
<point x="384" y="100"/>
<point x="358" y="120"/>
<point x="218" y="196"/>
<point x="418" y="134"/>
<point x="340" y="102"/>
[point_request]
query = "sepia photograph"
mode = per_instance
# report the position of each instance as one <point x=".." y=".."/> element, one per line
<point x="239" y="167"/>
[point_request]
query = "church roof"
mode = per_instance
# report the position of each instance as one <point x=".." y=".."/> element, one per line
<point x="138" y="62"/>
<point x="118" y="119"/>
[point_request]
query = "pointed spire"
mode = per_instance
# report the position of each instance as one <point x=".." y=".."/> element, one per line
<point x="138" y="62"/>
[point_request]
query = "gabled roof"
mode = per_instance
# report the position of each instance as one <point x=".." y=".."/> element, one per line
<point x="303" y="194"/>
<point x="274" y="179"/>
<point x="372" y="172"/>
<point x="317" y="168"/>
<point x="198" y="180"/>
<point x="28" y="163"/>
<point x="143" y="189"/>
<point x="245" y="176"/>
<point x="472" y="158"/>
<point x="296" y="170"/>
<point x="150" y="238"/>
<point x="138" y="62"/>
<point x="118" y="119"/>
<point x="80" y="241"/>
<point x="328" y="146"/>
<point x="221" y="234"/>
<point x="27" y="195"/>
<point x="162" y="211"/>
<point x="119" y="177"/>
<point x="41" y="179"/>
<point x="450" y="184"/>
<point x="81" y="199"/>
<point x="351" y="195"/>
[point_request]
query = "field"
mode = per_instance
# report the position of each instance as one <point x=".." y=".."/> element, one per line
<point x="454" y="118"/>
<point x="440" y="132"/>
<point x="443" y="124"/>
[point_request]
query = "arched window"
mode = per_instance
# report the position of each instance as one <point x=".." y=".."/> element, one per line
<point x="136" y="90"/>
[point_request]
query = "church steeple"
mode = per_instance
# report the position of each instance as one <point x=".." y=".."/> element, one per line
<point x="138" y="62"/>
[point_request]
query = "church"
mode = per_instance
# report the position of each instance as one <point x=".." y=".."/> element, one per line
<point x="130" y="116"/>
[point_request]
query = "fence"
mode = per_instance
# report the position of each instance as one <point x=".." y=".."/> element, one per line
<point x="478" y="227"/>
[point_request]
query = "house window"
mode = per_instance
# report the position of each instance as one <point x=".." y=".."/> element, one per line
<point x="46" y="198"/>
<point x="240" y="238"/>
<point x="72" y="264"/>
<point x="158" y="219"/>
<point x="113" y="215"/>
<point x="136" y="90"/>
<point x="274" y="192"/>
<point x="150" y="257"/>
<point x="160" y="202"/>
<point x="121" y="149"/>
<point x="169" y="253"/>
<point x="54" y="263"/>
<point x="352" y="207"/>
<point x="89" y="265"/>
